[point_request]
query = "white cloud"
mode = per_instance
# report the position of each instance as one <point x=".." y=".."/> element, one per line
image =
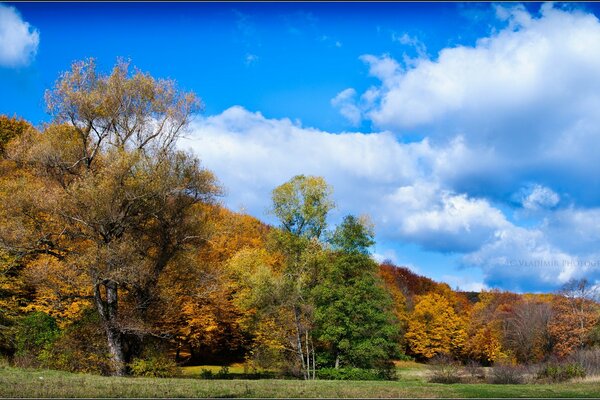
<point x="411" y="41"/>
<point x="520" y="106"/>
<point x="18" y="39"/>
<point x="536" y="197"/>
<point x="402" y="186"/>
<point x="440" y="220"/>
<point x="345" y="101"/>
<point x="529" y="94"/>
<point x="250" y="59"/>
<point x="394" y="182"/>
<point x="464" y="283"/>
<point x="526" y="259"/>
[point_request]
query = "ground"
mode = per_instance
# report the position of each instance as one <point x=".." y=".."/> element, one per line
<point x="411" y="383"/>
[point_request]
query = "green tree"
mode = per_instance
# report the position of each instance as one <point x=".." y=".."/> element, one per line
<point x="354" y="313"/>
<point x="301" y="205"/>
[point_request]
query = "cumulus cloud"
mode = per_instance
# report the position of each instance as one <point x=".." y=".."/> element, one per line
<point x="403" y="187"/>
<point x="345" y="101"/>
<point x="442" y="221"/>
<point x="18" y="39"/>
<point x="464" y="283"/>
<point x="525" y="259"/>
<point x="528" y="93"/>
<point x="371" y="173"/>
<point x="536" y="197"/>
<point x="472" y="152"/>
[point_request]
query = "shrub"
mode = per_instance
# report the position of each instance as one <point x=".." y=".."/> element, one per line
<point x="475" y="370"/>
<point x="561" y="372"/>
<point x="507" y="374"/>
<point x="206" y="374"/>
<point x="224" y="373"/>
<point x="349" y="374"/>
<point x="444" y="369"/>
<point x="156" y="366"/>
<point x="34" y="332"/>
<point x="81" y="347"/>
<point x="405" y="357"/>
<point x="589" y="359"/>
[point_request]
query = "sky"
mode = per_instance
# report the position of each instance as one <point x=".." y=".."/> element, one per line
<point x="468" y="132"/>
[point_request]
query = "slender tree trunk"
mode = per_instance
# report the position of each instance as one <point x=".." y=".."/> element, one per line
<point x="300" y="351"/>
<point x="337" y="361"/>
<point x="314" y="375"/>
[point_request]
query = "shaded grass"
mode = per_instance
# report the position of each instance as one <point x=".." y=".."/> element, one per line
<point x="46" y="383"/>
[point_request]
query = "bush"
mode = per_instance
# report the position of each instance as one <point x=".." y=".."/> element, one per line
<point x="507" y="374"/>
<point x="224" y="373"/>
<point x="350" y="374"/>
<point x="589" y="359"/>
<point x="157" y="366"/>
<point x="561" y="372"/>
<point x="34" y="333"/>
<point x="206" y="374"/>
<point x="81" y="347"/>
<point x="405" y="357"/>
<point x="444" y="369"/>
<point x="475" y="370"/>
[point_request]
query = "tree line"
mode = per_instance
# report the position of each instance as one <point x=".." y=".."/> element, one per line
<point x="116" y="257"/>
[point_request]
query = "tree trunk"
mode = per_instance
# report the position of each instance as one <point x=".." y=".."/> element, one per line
<point x="115" y="347"/>
<point x="300" y="351"/>
<point x="108" y="310"/>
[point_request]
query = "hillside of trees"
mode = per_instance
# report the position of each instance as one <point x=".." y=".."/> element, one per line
<point x="117" y="258"/>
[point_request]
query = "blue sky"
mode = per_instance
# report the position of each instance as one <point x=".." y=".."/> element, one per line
<point x="468" y="132"/>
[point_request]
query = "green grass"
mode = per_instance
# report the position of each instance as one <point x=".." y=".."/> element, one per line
<point x="46" y="383"/>
<point x="196" y="370"/>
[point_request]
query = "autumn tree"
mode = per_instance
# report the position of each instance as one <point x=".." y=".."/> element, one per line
<point x="576" y="312"/>
<point x="122" y="200"/>
<point x="354" y="316"/>
<point x="435" y="328"/>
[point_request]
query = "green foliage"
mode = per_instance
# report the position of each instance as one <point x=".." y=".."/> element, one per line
<point x="561" y="372"/>
<point x="350" y="374"/>
<point x="81" y="347"/>
<point x="35" y="332"/>
<point x="206" y="374"/>
<point x="354" y="317"/>
<point x="353" y="235"/>
<point x="302" y="204"/>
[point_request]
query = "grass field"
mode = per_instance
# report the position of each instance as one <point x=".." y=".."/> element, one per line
<point x="46" y="383"/>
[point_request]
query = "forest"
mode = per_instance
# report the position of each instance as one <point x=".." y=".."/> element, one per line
<point x="118" y="258"/>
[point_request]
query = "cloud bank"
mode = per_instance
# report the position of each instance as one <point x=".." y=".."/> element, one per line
<point x="501" y="166"/>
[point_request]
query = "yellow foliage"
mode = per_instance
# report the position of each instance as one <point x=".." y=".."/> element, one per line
<point x="435" y="328"/>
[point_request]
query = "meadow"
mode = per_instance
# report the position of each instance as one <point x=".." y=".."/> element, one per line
<point x="411" y="383"/>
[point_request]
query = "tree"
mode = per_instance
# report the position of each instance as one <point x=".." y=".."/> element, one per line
<point x="435" y="328"/>
<point x="353" y="312"/>
<point x="301" y="205"/>
<point x="576" y="312"/>
<point x="10" y="128"/>
<point x="122" y="200"/>
<point x="526" y="333"/>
